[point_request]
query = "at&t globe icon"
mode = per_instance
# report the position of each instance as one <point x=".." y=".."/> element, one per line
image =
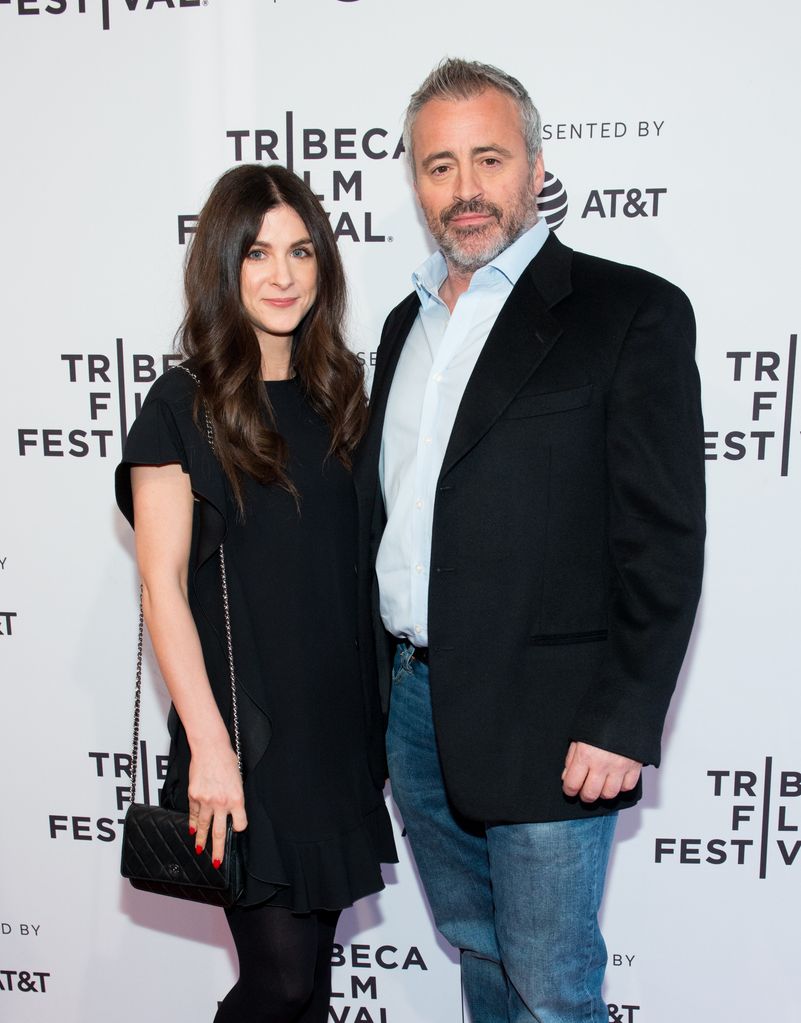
<point x="552" y="201"/>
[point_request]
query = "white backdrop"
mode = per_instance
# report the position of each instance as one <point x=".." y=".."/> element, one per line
<point x="672" y="126"/>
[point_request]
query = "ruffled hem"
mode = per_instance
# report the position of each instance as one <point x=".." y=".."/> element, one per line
<point x="331" y="873"/>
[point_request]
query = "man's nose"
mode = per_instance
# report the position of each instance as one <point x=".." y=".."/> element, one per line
<point x="467" y="186"/>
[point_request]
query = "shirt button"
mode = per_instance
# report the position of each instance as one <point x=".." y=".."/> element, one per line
<point x="418" y="629"/>
<point x="418" y="569"/>
<point x="427" y="440"/>
<point x="418" y="503"/>
<point x="437" y="378"/>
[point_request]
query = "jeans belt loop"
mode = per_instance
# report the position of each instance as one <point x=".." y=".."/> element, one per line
<point x="420" y="653"/>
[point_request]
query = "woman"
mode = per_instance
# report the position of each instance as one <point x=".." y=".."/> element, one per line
<point x="268" y="366"/>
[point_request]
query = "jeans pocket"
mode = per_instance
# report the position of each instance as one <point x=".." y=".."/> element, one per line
<point x="401" y="666"/>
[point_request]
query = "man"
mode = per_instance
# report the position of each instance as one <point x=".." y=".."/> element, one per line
<point x="533" y="476"/>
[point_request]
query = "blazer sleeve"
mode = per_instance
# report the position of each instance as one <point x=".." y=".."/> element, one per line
<point x="656" y="526"/>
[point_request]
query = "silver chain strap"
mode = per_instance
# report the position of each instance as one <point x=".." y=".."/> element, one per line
<point x="228" y="640"/>
<point x="137" y="698"/>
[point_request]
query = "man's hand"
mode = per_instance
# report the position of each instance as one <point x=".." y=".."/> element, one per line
<point x="592" y="773"/>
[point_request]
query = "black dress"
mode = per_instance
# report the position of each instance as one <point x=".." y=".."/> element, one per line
<point x="310" y="723"/>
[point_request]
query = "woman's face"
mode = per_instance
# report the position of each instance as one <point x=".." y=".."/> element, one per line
<point x="278" y="281"/>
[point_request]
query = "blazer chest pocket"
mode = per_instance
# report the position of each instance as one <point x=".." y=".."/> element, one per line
<point x="568" y="638"/>
<point x="527" y="405"/>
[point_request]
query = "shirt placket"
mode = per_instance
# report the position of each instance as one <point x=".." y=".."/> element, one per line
<point x="445" y="334"/>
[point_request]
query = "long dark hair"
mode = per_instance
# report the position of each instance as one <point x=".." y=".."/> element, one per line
<point x="218" y="337"/>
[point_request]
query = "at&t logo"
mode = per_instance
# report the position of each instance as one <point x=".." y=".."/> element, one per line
<point x="7" y="622"/>
<point x="630" y="203"/>
<point x="552" y="201"/>
<point x="623" y="1013"/>
<point x="6" y="617"/>
<point x="27" y="981"/>
<point x="605" y="204"/>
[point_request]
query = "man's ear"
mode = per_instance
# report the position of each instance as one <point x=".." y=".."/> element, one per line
<point x="538" y="174"/>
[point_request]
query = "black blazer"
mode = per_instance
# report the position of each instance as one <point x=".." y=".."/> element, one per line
<point x="568" y="533"/>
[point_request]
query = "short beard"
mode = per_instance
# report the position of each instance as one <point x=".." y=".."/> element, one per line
<point x="469" y="258"/>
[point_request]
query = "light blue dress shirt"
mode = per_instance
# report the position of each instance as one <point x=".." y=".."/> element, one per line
<point x="435" y="365"/>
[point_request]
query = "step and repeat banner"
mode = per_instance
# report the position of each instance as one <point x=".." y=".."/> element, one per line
<point x="671" y="142"/>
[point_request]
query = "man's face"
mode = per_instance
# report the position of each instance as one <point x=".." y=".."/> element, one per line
<point x="474" y="182"/>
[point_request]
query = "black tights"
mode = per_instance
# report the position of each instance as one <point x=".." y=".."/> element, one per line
<point x="284" y="966"/>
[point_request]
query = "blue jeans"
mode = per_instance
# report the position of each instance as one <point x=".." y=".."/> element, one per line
<point x="520" y="901"/>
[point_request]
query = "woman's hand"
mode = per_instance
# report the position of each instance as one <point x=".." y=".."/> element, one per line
<point x="215" y="791"/>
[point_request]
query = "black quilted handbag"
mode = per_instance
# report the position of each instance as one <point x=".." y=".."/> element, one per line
<point x="158" y="853"/>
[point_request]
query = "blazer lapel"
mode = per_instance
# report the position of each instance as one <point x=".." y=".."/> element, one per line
<point x="395" y="334"/>
<point x="521" y="337"/>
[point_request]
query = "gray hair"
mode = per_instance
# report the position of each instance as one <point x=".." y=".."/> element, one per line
<point x="454" y="79"/>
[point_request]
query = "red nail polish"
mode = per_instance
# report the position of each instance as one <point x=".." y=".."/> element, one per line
<point x="216" y="864"/>
<point x="192" y="830"/>
<point x="198" y="849"/>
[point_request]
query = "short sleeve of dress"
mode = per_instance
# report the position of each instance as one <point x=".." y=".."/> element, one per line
<point x="154" y="440"/>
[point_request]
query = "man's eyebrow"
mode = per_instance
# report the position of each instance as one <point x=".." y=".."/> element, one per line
<point x="447" y="154"/>
<point x="494" y="148"/>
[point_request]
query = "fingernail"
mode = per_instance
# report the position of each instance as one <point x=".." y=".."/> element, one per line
<point x="216" y="864"/>
<point x="198" y="849"/>
<point x="192" y="830"/>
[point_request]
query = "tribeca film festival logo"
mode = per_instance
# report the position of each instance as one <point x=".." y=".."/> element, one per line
<point x="760" y="822"/>
<point x="114" y="770"/>
<point x="336" y="178"/>
<point x="765" y="381"/>
<point x="102" y="379"/>
<point x="364" y="990"/>
<point x="104" y="8"/>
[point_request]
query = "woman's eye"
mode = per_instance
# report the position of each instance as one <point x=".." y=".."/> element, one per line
<point x="302" y="253"/>
<point x="255" y="254"/>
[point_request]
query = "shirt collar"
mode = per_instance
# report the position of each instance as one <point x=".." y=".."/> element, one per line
<point x="430" y="275"/>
